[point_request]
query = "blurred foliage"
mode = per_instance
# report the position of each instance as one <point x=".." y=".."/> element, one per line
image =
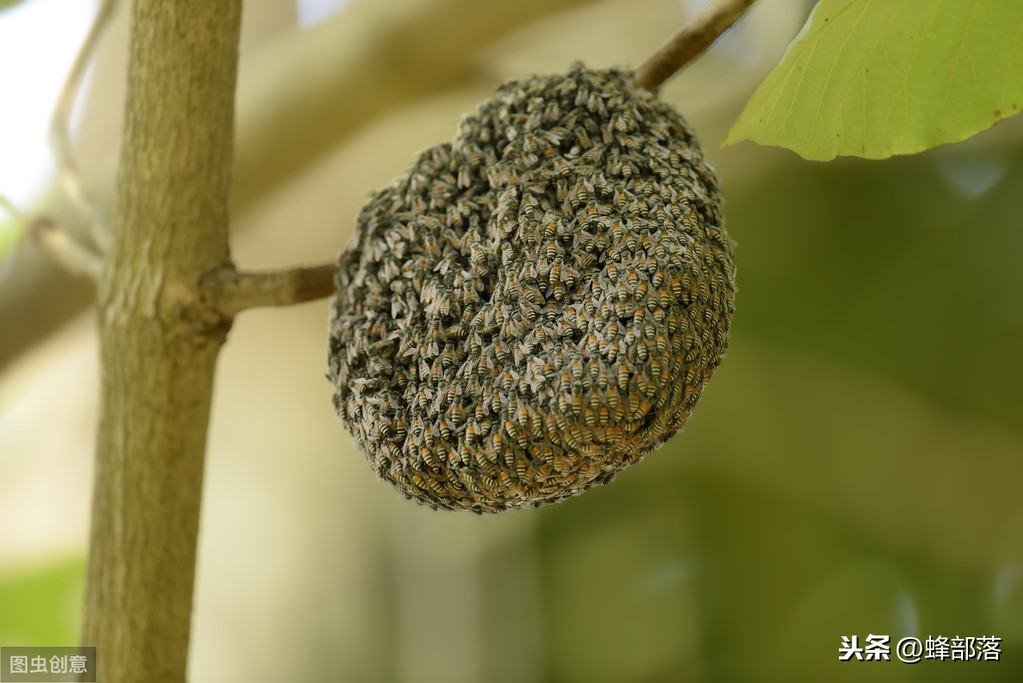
<point x="803" y="503"/>
<point x="10" y="233"/>
<point x="888" y="268"/>
<point x="42" y="606"/>
<point x="875" y="79"/>
<point x="854" y="467"/>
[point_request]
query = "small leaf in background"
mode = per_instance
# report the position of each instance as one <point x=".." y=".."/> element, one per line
<point x="10" y="232"/>
<point x="875" y="78"/>
<point x="42" y="606"/>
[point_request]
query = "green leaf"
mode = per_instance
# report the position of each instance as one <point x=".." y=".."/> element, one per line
<point x="875" y="78"/>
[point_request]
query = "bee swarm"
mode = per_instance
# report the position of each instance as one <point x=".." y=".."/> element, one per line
<point x="536" y="304"/>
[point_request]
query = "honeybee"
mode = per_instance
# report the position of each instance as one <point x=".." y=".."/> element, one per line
<point x="623" y="376"/>
<point x="434" y="486"/>
<point x="429" y="457"/>
<point x="522" y="415"/>
<point x="576" y="369"/>
<point x="577" y="404"/>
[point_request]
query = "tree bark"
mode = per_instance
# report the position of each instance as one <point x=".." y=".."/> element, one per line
<point x="160" y="335"/>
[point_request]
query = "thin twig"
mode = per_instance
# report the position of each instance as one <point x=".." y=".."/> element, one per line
<point x="65" y="249"/>
<point x="60" y="126"/>
<point x="234" y="291"/>
<point x="55" y="241"/>
<point x="15" y="213"/>
<point x="689" y="43"/>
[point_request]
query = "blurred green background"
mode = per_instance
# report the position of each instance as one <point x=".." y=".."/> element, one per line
<point x="853" y="468"/>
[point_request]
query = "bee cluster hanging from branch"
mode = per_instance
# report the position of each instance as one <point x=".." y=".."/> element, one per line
<point x="536" y="304"/>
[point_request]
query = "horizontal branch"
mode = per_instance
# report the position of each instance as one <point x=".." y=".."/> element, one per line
<point x="232" y="291"/>
<point x="68" y="252"/>
<point x="689" y="43"/>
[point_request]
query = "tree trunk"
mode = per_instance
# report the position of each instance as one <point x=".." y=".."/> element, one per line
<point x="160" y="335"/>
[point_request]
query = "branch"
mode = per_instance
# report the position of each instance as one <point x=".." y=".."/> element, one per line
<point x="233" y="292"/>
<point x="295" y="97"/>
<point x="60" y="125"/>
<point x="14" y="212"/>
<point x="73" y="256"/>
<point x="689" y="43"/>
<point x="57" y="243"/>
